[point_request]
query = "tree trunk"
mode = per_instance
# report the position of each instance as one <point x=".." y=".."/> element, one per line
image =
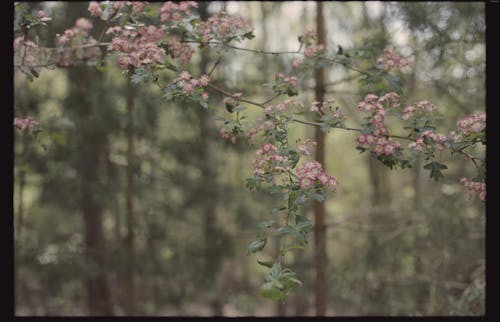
<point x="213" y="254"/>
<point x="319" y="208"/>
<point x="92" y="142"/>
<point x="129" y="204"/>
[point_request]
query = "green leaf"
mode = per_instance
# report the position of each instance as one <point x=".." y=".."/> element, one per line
<point x="304" y="225"/>
<point x="257" y="245"/>
<point x="266" y="263"/>
<point x="203" y="103"/>
<point x="285" y="230"/>
<point x="394" y="81"/>
<point x="275" y="271"/>
<point x="239" y="108"/>
<point x="435" y="168"/>
<point x="268" y="290"/>
<point x="195" y="21"/>
<point x="59" y="138"/>
<point x="277" y="209"/>
<point x="265" y="224"/>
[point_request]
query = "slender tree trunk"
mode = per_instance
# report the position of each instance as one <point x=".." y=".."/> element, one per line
<point x="22" y="183"/>
<point x="19" y="281"/>
<point x="319" y="208"/>
<point x="209" y="182"/>
<point x="89" y="162"/>
<point x="129" y="204"/>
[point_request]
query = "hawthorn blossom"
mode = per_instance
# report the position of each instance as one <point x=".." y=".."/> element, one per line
<point x="95" y="9"/>
<point x="286" y="106"/>
<point x="265" y="125"/>
<point x="174" y="12"/>
<point x="473" y="123"/>
<point x="285" y="85"/>
<point x="439" y="140"/>
<point x="188" y="85"/>
<point x="309" y="39"/>
<point x="311" y="174"/>
<point x="268" y="162"/>
<point x="41" y="14"/>
<point x="26" y="51"/>
<point x="391" y="98"/>
<point x="25" y="123"/>
<point x="223" y="27"/>
<point x="391" y="60"/>
<point x="474" y="186"/>
<point x="378" y="144"/>
<point x="370" y="103"/>
<point x="297" y="62"/>
<point x="305" y="146"/>
<point x="226" y="134"/>
<point x="83" y="23"/>
<point x="138" y="47"/>
<point x="180" y="50"/>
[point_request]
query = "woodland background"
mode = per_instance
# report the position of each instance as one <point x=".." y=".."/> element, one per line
<point x="170" y="223"/>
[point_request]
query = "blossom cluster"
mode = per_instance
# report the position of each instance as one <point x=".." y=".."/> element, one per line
<point x="285" y="85"/>
<point x="25" y="123"/>
<point x="138" y="47"/>
<point x="76" y="36"/>
<point x="439" y="139"/>
<point x="180" y="50"/>
<point x="474" y="186"/>
<point x="472" y="123"/>
<point x="188" y="85"/>
<point x="223" y="27"/>
<point x="378" y="144"/>
<point x="325" y="107"/>
<point x="305" y="146"/>
<point x="95" y="9"/>
<point x="286" y="106"/>
<point x="269" y="162"/>
<point x="391" y="60"/>
<point x="227" y="134"/>
<point x="81" y="28"/>
<point x="309" y="39"/>
<point x="373" y="103"/>
<point x="312" y="175"/>
<point x="419" y="108"/>
<point x="26" y="50"/>
<point x="263" y="126"/>
<point x="174" y="12"/>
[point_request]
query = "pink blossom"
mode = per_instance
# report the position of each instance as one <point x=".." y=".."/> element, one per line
<point x="95" y="9"/>
<point x="138" y="6"/>
<point x="83" y="23"/>
<point x="41" y="14"/>
<point x="473" y="123"/>
<point x="173" y="12"/>
<point x="228" y="135"/>
<point x="474" y="186"/>
<point x="25" y="123"/>
<point x="311" y="174"/>
<point x="297" y="62"/>
<point x="305" y="146"/>
<point x="425" y="106"/>
<point x="268" y="163"/>
<point x="391" y="98"/>
<point x="391" y="60"/>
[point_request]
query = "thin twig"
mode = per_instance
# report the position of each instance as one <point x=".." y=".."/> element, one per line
<point x="215" y="65"/>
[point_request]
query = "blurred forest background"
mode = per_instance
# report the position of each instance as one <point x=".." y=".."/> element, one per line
<point x="138" y="207"/>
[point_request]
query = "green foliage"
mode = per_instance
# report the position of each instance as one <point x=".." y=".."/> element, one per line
<point x="435" y="168"/>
